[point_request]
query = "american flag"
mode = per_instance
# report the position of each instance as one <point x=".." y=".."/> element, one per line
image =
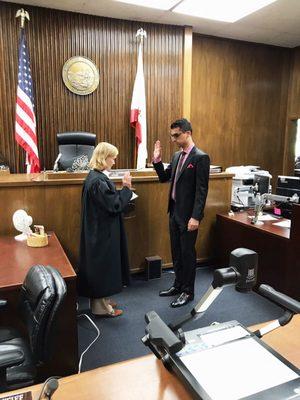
<point x="25" y="130"/>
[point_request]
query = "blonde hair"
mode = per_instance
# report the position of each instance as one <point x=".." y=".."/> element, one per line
<point x="100" y="154"/>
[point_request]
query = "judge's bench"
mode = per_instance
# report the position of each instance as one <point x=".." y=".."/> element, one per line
<point x="54" y="200"/>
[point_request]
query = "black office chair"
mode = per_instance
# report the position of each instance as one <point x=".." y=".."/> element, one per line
<point x="72" y="146"/>
<point x="42" y="294"/>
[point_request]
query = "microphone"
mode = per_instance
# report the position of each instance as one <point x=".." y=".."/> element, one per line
<point x="50" y="386"/>
<point x="55" y="166"/>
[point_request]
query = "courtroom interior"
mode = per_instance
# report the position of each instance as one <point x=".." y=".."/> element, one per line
<point x="149" y="199"/>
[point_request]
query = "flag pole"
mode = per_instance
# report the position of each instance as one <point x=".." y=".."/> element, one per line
<point x="138" y="105"/>
<point x="25" y="122"/>
<point x="23" y="15"/>
<point x="140" y="33"/>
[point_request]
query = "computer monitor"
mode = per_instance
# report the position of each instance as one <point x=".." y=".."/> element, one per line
<point x="261" y="183"/>
<point x="287" y="186"/>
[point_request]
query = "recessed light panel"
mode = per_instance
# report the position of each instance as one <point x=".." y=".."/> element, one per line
<point x="221" y="10"/>
<point x="159" y="4"/>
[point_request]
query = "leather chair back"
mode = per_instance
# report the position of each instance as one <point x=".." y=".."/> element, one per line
<point x="42" y="293"/>
<point x="74" y="144"/>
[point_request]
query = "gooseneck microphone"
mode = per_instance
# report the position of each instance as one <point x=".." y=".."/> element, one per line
<point x="55" y="166"/>
<point x="49" y="387"/>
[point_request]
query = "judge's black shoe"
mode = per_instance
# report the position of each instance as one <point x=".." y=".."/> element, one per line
<point x="182" y="300"/>
<point x="172" y="291"/>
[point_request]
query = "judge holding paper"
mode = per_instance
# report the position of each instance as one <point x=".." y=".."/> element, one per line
<point x="104" y="267"/>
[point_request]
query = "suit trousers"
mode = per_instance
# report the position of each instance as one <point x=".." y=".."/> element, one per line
<point x="183" y="253"/>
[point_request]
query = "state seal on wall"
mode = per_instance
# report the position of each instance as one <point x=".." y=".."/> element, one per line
<point x="80" y="75"/>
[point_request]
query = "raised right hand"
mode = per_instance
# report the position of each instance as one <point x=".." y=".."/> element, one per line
<point x="126" y="180"/>
<point x="157" y="150"/>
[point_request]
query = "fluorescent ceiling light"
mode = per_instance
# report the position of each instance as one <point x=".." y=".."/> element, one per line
<point x="221" y="10"/>
<point x="160" y="4"/>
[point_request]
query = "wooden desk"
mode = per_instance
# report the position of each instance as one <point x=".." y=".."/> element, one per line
<point x="146" y="378"/>
<point x="277" y="248"/>
<point x="15" y="261"/>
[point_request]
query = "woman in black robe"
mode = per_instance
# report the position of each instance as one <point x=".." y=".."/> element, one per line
<point x="104" y="265"/>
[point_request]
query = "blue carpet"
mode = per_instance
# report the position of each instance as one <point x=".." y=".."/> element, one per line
<point x="120" y="338"/>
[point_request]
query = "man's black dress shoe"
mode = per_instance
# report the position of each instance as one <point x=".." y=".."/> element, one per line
<point x="172" y="291"/>
<point x="182" y="300"/>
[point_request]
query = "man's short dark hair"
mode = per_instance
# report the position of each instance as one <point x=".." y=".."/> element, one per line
<point x="183" y="124"/>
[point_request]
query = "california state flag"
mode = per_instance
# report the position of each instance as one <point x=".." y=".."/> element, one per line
<point x="138" y="112"/>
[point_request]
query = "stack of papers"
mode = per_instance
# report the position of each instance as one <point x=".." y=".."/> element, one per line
<point x="284" y="224"/>
<point x="215" y="169"/>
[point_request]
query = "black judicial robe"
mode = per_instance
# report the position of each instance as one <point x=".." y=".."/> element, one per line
<point x="103" y="268"/>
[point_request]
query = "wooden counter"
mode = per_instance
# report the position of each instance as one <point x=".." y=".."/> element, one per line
<point x="146" y="378"/>
<point x="277" y="247"/>
<point x="56" y="204"/>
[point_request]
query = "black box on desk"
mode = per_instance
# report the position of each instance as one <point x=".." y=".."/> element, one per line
<point x="153" y="267"/>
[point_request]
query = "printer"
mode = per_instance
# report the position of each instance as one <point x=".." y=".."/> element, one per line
<point x="247" y="181"/>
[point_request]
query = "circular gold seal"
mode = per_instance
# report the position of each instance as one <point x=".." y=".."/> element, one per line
<point x="80" y="75"/>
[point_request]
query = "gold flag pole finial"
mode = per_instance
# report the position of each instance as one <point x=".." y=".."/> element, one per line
<point x="23" y="14"/>
<point x="141" y="34"/>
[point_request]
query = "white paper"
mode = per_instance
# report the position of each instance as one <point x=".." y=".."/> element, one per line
<point x="134" y="196"/>
<point x="224" y="335"/>
<point x="284" y="224"/>
<point x="237" y="369"/>
<point x="266" y="217"/>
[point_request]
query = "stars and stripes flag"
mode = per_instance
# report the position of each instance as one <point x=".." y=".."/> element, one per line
<point x="25" y="128"/>
<point x="138" y="107"/>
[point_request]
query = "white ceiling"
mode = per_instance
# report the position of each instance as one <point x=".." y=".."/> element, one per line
<point x="277" y="24"/>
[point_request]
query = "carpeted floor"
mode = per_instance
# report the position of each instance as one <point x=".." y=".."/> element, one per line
<point x="120" y="338"/>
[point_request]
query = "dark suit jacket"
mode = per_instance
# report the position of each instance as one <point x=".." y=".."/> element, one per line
<point x="191" y="185"/>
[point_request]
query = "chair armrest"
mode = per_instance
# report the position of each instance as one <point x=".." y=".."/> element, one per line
<point x="3" y="303"/>
<point x="10" y="356"/>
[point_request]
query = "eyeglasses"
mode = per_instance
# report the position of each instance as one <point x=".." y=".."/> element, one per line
<point x="175" y="135"/>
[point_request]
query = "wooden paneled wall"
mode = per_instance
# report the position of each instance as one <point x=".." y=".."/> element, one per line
<point x="293" y="114"/>
<point x="55" y="36"/>
<point x="294" y="103"/>
<point x="239" y="101"/>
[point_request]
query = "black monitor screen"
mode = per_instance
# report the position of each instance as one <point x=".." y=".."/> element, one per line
<point x="287" y="186"/>
<point x="261" y="183"/>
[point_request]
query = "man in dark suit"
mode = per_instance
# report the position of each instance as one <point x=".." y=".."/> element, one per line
<point x="188" y="174"/>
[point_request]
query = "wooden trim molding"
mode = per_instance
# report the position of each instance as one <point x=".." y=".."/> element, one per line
<point x="187" y="71"/>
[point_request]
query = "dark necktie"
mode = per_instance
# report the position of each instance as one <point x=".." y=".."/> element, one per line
<point x="180" y="163"/>
<point x="178" y="169"/>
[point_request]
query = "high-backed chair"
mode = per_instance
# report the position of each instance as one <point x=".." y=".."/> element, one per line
<point x="42" y="294"/>
<point x="71" y="145"/>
